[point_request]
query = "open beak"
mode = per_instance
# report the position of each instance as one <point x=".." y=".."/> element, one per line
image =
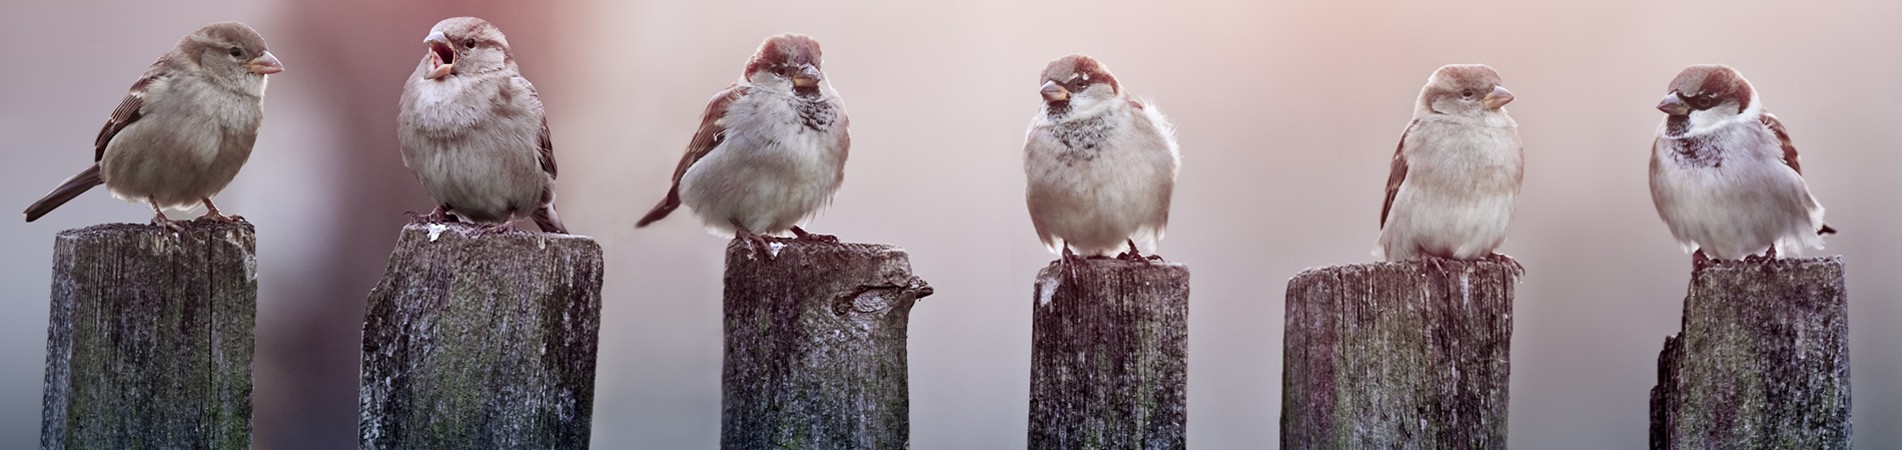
<point x="442" y="57"/>
<point x="265" y="65"/>
<point x="1053" y="92"/>
<point x="807" y="77"/>
<point x="1498" y="97"/>
<point x="1674" y="105"/>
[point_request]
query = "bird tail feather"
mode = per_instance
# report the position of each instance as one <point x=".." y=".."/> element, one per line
<point x="66" y="191"/>
<point x="660" y="211"/>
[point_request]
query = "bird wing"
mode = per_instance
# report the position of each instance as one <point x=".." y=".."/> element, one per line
<point x="1398" y="173"/>
<point x="707" y="138"/>
<point x="129" y="108"/>
<point x="1783" y="136"/>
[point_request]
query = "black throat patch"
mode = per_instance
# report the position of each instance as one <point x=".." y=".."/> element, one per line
<point x="1693" y="151"/>
<point x="1082" y="139"/>
<point x="815" y="113"/>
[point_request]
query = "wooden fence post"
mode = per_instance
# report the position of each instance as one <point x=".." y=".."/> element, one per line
<point x="1398" y="355"/>
<point x="475" y="340"/>
<point x="1109" y="354"/>
<point x="815" y="345"/>
<point x="1762" y="361"/>
<point x="150" y="337"/>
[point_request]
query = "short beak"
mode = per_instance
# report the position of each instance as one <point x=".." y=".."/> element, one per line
<point x="265" y="65"/>
<point x="807" y="77"/>
<point x="1498" y="97"/>
<point x="442" y="57"/>
<point x="1674" y="105"/>
<point x="1053" y="92"/>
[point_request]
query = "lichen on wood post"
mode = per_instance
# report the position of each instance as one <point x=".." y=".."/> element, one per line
<point x="150" y="339"/>
<point x="478" y="339"/>
<point x="815" y="345"/>
<point x="1762" y="360"/>
<point x="1109" y="353"/>
<point x="1398" y="355"/>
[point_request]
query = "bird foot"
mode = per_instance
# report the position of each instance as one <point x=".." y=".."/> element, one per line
<point x="1518" y="270"/>
<point x="496" y="229"/>
<point x="438" y="215"/>
<point x="801" y="234"/>
<point x="1700" y="261"/>
<point x="756" y="242"/>
<point x="169" y="224"/>
<point x="214" y="216"/>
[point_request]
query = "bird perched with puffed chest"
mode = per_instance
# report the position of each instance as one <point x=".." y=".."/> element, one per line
<point x="770" y="150"/>
<point x="1724" y="174"/>
<point x="474" y="132"/>
<point x="185" y="128"/>
<point x="1455" y="176"/>
<point x="1100" y="165"/>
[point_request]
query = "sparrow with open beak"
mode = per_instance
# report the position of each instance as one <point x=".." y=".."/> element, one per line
<point x="770" y="150"/>
<point x="1724" y="174"/>
<point x="474" y="132"/>
<point x="1455" y="175"/>
<point x="184" y="130"/>
<point x="1100" y="165"/>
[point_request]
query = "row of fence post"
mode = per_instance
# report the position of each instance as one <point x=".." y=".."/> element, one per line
<point x="486" y="340"/>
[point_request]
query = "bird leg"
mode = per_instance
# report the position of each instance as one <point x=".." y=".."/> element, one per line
<point x="211" y="213"/>
<point x="752" y="240"/>
<point x="1518" y="270"/>
<point x="1132" y="255"/>
<point x="158" y="217"/>
<point x="1068" y="262"/>
<point x="801" y="234"/>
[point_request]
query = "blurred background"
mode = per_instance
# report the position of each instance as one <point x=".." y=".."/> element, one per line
<point x="1287" y="113"/>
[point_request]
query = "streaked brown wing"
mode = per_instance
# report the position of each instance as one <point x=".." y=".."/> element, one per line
<point x="128" y="110"/>
<point x="1397" y="173"/>
<point x="1783" y="136"/>
<point x="704" y="141"/>
<point x="547" y="150"/>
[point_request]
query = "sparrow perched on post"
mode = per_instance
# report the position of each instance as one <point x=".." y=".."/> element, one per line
<point x="1100" y="165"/>
<point x="185" y="128"/>
<point x="1724" y="175"/>
<point x="770" y="150"/>
<point x="1456" y="173"/>
<point x="473" y="130"/>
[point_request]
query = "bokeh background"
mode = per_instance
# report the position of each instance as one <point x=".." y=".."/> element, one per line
<point x="1287" y="114"/>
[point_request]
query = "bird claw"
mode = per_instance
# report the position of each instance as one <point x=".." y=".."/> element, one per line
<point x="801" y="234"/>
<point x="1518" y="270"/>
<point x="1701" y="261"/>
<point x="169" y="224"/>
<point x="438" y="215"/>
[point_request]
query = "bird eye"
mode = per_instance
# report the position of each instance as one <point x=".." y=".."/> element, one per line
<point x="236" y="52"/>
<point x="1467" y="93"/>
<point x="468" y="42"/>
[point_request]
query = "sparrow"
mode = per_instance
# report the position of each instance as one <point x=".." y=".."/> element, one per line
<point x="1724" y="174"/>
<point x="185" y="128"/>
<point x="1456" y="173"/>
<point x="770" y="150"/>
<point x="1100" y="165"/>
<point x="473" y="131"/>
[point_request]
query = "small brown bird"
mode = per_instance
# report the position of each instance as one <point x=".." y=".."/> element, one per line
<point x="1456" y="173"/>
<point x="1101" y="165"/>
<point x="473" y="130"/>
<point x="184" y="130"/>
<point x="771" y="148"/>
<point x="1724" y="174"/>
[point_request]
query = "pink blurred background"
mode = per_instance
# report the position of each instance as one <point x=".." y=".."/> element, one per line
<point x="1287" y="113"/>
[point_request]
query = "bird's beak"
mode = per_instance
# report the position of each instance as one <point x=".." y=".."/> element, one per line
<point x="442" y="56"/>
<point x="265" y="65"/>
<point x="807" y="77"/>
<point x="1053" y="92"/>
<point x="1674" y="105"/>
<point x="1498" y="97"/>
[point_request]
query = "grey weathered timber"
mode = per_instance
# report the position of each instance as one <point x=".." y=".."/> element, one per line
<point x="1398" y="355"/>
<point x="1109" y="355"/>
<point x="150" y="338"/>
<point x="1762" y="361"/>
<point x="481" y="340"/>
<point x="815" y="345"/>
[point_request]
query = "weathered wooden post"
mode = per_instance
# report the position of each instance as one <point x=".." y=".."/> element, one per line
<point x="150" y="338"/>
<point x="1762" y="361"/>
<point x="1109" y="355"/>
<point x="815" y="345"/>
<point x="1398" y="355"/>
<point x="476" y="339"/>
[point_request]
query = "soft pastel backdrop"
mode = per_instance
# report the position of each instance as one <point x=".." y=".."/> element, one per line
<point x="1287" y="114"/>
